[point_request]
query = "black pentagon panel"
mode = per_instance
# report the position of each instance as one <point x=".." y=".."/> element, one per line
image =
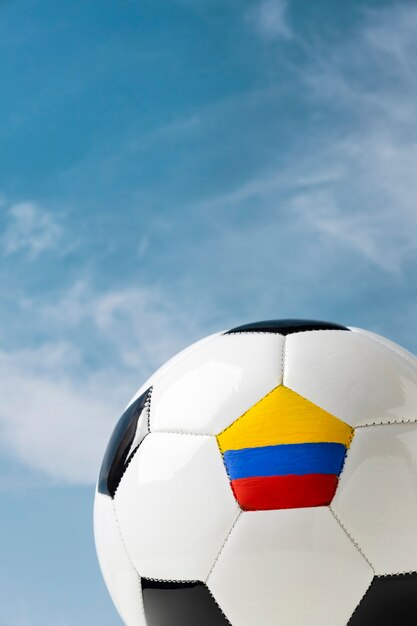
<point x="285" y="327"/>
<point x="115" y="458"/>
<point x="389" y="601"/>
<point x="180" y="604"/>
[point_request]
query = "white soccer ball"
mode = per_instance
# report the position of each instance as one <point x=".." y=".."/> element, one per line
<point x="266" y="476"/>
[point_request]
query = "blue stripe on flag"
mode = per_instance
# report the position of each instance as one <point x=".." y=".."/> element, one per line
<point x="285" y="459"/>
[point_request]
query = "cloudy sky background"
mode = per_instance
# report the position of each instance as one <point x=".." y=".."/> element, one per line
<point x="169" y="168"/>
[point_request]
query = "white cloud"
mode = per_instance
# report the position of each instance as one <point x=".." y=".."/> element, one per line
<point x="270" y="19"/>
<point x="351" y="185"/>
<point x="371" y="82"/>
<point x="57" y="411"/>
<point x="142" y="324"/>
<point x="51" y="422"/>
<point x="30" y="229"/>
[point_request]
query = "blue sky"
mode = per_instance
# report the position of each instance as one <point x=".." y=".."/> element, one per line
<point x="168" y="169"/>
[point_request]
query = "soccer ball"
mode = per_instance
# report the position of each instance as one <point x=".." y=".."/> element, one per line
<point x="266" y="476"/>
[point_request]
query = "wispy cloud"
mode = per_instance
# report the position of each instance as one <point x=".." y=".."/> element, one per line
<point x="143" y="324"/>
<point x="351" y="182"/>
<point x="51" y="421"/>
<point x="369" y="80"/>
<point x="30" y="229"/>
<point x="58" y="410"/>
<point x="270" y="19"/>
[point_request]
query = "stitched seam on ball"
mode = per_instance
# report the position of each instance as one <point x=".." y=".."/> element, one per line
<point x="172" y="580"/>
<point x="369" y="586"/>
<point x="347" y="533"/>
<point x="250" y="332"/>
<point x="218" y="605"/>
<point x="346" y="455"/>
<point x="361" y="600"/>
<point x="132" y="456"/>
<point x="129" y="558"/>
<point x="223" y="545"/>
<point x="319" y="330"/>
<point x="247" y="411"/>
<point x="228" y="476"/>
<point x="148" y="407"/>
<point x="269" y="332"/>
<point x="182" y="432"/>
<point x="284" y="360"/>
<point x="389" y="423"/>
<point x="395" y="575"/>
<point x="317" y="405"/>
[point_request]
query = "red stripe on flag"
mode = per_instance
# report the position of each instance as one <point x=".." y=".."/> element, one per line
<point x="262" y="493"/>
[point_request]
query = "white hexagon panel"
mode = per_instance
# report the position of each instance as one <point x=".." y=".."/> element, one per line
<point x="353" y="376"/>
<point x="175" y="507"/>
<point x="277" y="567"/>
<point x="118" y="570"/>
<point x="376" y="500"/>
<point x="209" y="387"/>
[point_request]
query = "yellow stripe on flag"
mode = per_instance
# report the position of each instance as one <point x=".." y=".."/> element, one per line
<point x="282" y="417"/>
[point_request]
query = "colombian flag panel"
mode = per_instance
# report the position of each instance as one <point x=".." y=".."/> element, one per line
<point x="284" y="452"/>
